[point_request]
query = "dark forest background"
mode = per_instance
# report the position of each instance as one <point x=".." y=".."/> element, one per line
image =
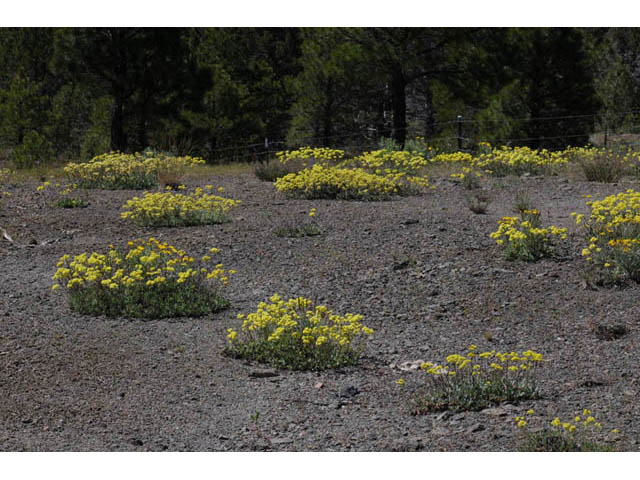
<point x="236" y="93"/>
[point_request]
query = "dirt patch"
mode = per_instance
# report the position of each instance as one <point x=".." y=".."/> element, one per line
<point x="422" y="270"/>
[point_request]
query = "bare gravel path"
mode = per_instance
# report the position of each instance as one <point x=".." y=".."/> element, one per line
<point x="422" y="270"/>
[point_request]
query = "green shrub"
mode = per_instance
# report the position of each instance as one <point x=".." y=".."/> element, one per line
<point x="272" y="170"/>
<point x="35" y="150"/>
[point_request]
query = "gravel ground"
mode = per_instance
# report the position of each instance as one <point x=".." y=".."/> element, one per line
<point x="422" y="270"/>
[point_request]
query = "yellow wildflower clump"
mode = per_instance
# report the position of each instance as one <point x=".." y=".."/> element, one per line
<point x="299" y="335"/>
<point x="61" y="195"/>
<point x="345" y="183"/>
<point x="525" y="238"/>
<point x="308" y="156"/>
<point x="151" y="279"/>
<point x="581" y="433"/>
<point x="117" y="170"/>
<point x="476" y="380"/>
<point x="386" y="161"/>
<point x="612" y="236"/>
<point x="178" y="209"/>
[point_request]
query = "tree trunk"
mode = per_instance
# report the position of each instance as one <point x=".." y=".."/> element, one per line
<point x="430" y="120"/>
<point x="118" y="138"/>
<point x="327" y="124"/>
<point x="399" y="100"/>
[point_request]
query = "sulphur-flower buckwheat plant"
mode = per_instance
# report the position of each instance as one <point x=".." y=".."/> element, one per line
<point x="612" y="238"/>
<point x="346" y="183"/>
<point x="477" y="380"/>
<point x="149" y="280"/>
<point x="115" y="170"/>
<point x="298" y="335"/>
<point x="525" y="238"/>
<point x="582" y="433"/>
<point x="171" y="209"/>
<point x="61" y="195"/>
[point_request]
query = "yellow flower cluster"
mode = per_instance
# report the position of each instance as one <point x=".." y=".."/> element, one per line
<point x="612" y="231"/>
<point x="630" y="156"/>
<point x="455" y="158"/>
<point x="298" y="319"/>
<point x="297" y="334"/>
<point x="526" y="238"/>
<point x="505" y="160"/>
<point x="485" y="363"/>
<point x="116" y="170"/>
<point x="345" y="183"/>
<point x="517" y="160"/>
<point x="59" y="194"/>
<point x="145" y="264"/>
<point x="178" y="209"/>
<point x="521" y="421"/>
<point x="324" y="156"/>
<point x="476" y="380"/>
<point x="390" y="162"/>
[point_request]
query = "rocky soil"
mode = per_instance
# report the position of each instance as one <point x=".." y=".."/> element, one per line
<point x="422" y="270"/>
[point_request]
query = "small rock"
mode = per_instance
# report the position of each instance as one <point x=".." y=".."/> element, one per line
<point x="263" y="373"/>
<point x="476" y="427"/>
<point x="281" y="441"/>
<point x="318" y="385"/>
<point x="444" y="415"/>
<point x="348" y="391"/>
<point x="494" y="412"/>
<point x="610" y="332"/>
<point x="440" y="431"/>
<point x="410" y="365"/>
<point x="458" y="417"/>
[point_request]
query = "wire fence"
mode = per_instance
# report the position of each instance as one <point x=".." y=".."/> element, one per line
<point x="462" y="134"/>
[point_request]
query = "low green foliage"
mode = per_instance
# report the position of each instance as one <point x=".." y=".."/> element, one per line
<point x="307" y="229"/>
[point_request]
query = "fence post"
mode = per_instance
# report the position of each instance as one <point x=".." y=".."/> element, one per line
<point x="459" y="132"/>
<point x="606" y="132"/>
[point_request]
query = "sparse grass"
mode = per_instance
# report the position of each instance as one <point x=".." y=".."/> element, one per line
<point x="603" y="166"/>
<point x="272" y="170"/>
<point x="478" y="201"/>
